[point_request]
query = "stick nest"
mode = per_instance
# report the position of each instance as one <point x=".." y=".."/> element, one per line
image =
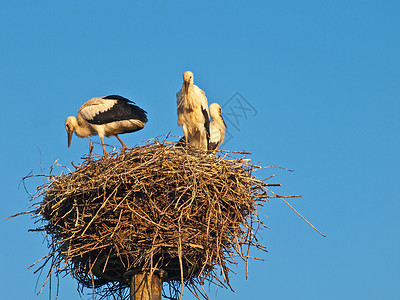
<point x="156" y="207"/>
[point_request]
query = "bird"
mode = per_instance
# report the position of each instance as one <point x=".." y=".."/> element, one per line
<point x="217" y="127"/>
<point x="106" y="116"/>
<point x="193" y="112"/>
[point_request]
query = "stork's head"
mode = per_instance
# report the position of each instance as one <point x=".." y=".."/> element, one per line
<point x="216" y="114"/>
<point x="187" y="80"/>
<point x="70" y="125"/>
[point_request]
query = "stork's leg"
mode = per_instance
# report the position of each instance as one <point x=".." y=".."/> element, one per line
<point x="124" y="147"/>
<point x="203" y="140"/>
<point x="104" y="147"/>
<point x="90" y="150"/>
<point x="186" y="133"/>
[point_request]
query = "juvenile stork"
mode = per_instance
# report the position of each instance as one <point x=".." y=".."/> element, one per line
<point x="193" y="113"/>
<point x="217" y="127"/>
<point x="106" y="116"/>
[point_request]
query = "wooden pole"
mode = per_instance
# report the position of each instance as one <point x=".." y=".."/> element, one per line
<point x="145" y="288"/>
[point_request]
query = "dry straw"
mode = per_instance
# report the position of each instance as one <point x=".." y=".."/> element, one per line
<point x="183" y="213"/>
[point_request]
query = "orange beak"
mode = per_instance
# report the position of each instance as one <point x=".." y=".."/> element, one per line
<point x="186" y="87"/>
<point x="70" y="133"/>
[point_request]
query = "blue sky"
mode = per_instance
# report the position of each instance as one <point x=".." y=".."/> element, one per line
<point x="323" y="79"/>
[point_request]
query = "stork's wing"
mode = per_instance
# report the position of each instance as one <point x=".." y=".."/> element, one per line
<point x="112" y="108"/>
<point x="205" y="110"/>
<point x="206" y="121"/>
<point x="204" y="102"/>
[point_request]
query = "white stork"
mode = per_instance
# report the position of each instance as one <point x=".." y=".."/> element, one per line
<point x="217" y="127"/>
<point x="193" y="113"/>
<point x="106" y="116"/>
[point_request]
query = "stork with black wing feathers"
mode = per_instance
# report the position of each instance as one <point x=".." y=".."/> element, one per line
<point x="106" y="116"/>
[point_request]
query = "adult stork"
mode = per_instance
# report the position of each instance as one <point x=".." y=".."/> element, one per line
<point x="217" y="127"/>
<point x="193" y="113"/>
<point x="106" y="116"/>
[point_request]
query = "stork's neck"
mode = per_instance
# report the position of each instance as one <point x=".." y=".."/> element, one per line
<point x="218" y="122"/>
<point x="82" y="128"/>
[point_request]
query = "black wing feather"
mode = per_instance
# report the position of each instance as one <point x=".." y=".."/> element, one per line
<point x="124" y="109"/>
<point x="117" y="97"/>
<point x="212" y="146"/>
<point x="206" y="124"/>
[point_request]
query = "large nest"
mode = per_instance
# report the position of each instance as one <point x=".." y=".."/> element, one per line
<point x="155" y="207"/>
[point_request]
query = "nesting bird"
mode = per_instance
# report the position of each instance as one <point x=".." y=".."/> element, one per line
<point x="193" y="113"/>
<point x="217" y="127"/>
<point x="106" y="116"/>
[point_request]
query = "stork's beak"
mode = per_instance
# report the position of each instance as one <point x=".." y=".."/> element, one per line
<point x="186" y="87"/>
<point x="223" y="121"/>
<point x="70" y="133"/>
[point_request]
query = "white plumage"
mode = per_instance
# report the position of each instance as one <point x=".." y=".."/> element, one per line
<point x="193" y="113"/>
<point x="106" y="116"/>
<point x="217" y="127"/>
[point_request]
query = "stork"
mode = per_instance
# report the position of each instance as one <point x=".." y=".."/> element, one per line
<point x="193" y="113"/>
<point x="217" y="127"/>
<point x="106" y="116"/>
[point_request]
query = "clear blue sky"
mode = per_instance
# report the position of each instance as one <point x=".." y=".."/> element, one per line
<point x="322" y="76"/>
